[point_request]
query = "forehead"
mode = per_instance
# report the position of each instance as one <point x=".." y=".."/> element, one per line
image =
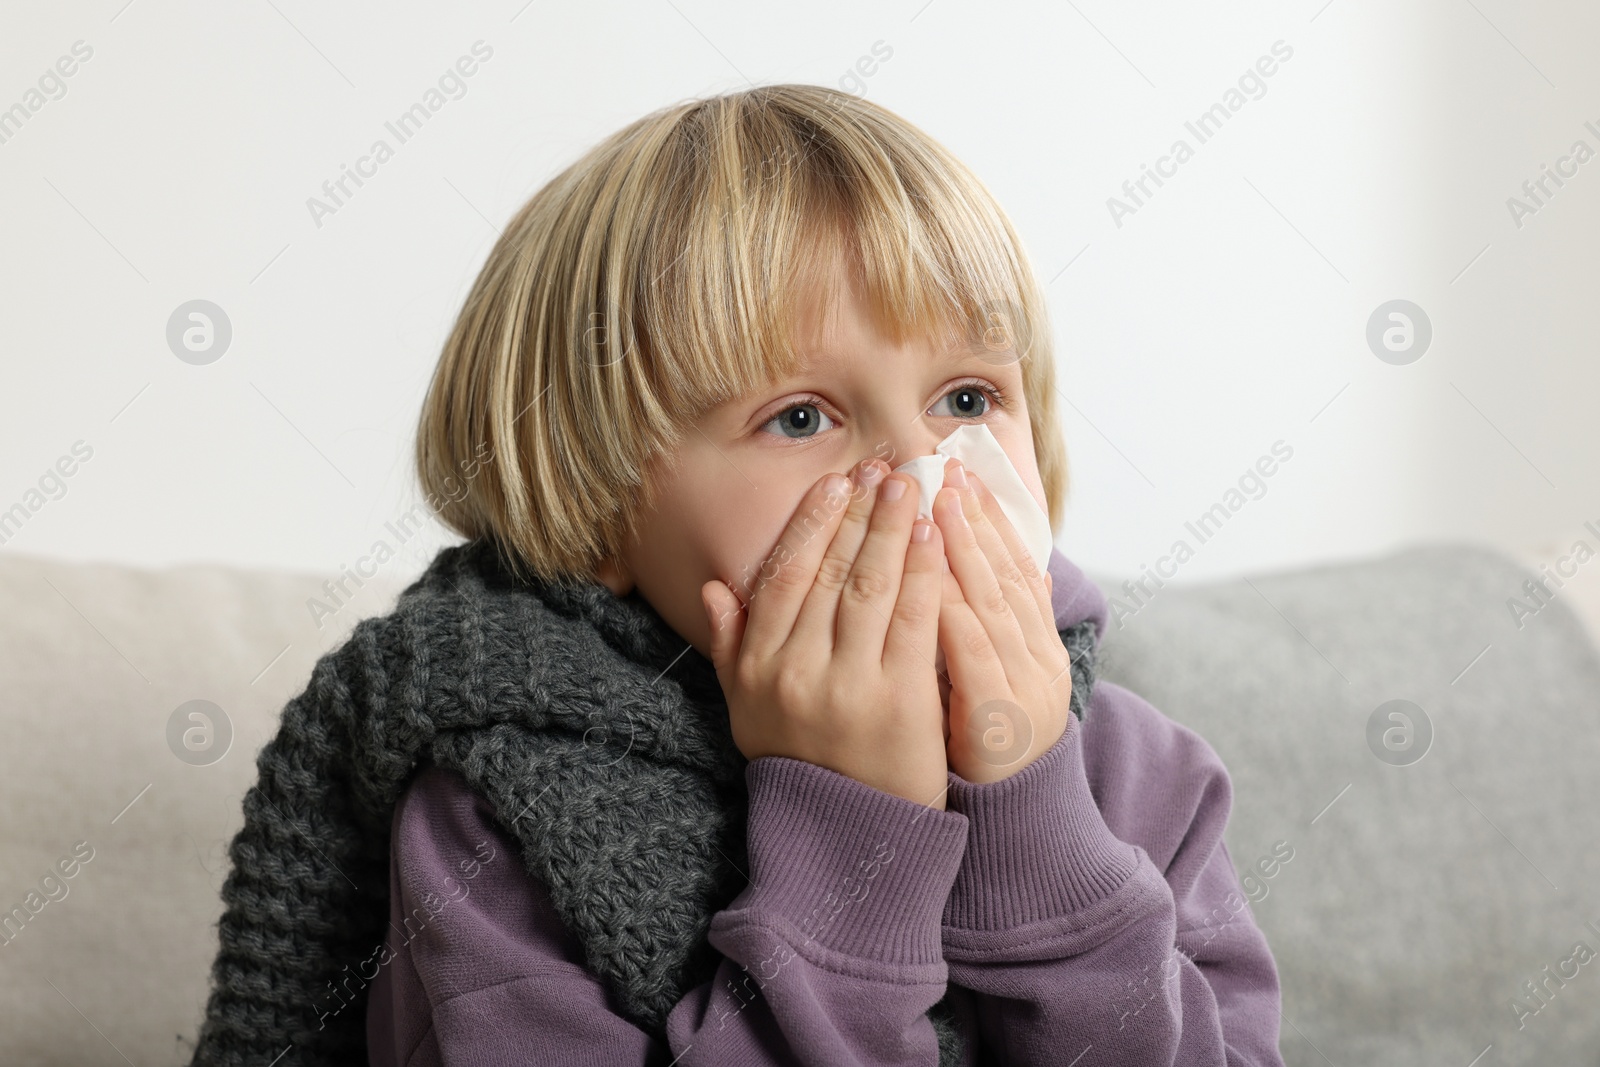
<point x="847" y="327"/>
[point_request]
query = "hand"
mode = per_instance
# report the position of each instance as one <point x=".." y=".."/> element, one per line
<point x="1010" y="682"/>
<point x="832" y="663"/>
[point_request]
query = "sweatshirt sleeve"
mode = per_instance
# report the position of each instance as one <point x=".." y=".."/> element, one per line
<point x="1121" y="936"/>
<point x="830" y="955"/>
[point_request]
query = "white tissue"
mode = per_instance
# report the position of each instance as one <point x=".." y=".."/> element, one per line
<point x="975" y="446"/>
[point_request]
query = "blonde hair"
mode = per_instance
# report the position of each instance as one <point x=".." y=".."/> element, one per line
<point x="664" y="273"/>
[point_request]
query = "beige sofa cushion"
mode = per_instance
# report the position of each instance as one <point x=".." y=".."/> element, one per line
<point x="95" y="659"/>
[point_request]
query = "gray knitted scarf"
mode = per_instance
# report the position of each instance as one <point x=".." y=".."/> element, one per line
<point x="602" y="743"/>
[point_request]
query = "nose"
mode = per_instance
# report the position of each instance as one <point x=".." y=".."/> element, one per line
<point x="902" y="445"/>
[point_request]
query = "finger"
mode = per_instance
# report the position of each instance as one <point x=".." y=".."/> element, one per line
<point x="914" y="629"/>
<point x="727" y="617"/>
<point x="819" y="614"/>
<point x="969" y="655"/>
<point x="980" y="588"/>
<point x="786" y="574"/>
<point x="1034" y="623"/>
<point x="1005" y="565"/>
<point x="1034" y="578"/>
<point x="869" y="594"/>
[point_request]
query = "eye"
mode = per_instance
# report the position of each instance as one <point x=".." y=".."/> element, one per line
<point x="798" y="420"/>
<point x="969" y="400"/>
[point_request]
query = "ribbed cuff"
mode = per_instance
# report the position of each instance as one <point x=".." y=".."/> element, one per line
<point x="1037" y="846"/>
<point x="851" y="868"/>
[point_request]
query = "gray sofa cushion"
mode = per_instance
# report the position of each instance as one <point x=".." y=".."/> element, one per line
<point x="1424" y="893"/>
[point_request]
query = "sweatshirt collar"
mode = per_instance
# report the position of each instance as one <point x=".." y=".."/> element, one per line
<point x="1074" y="597"/>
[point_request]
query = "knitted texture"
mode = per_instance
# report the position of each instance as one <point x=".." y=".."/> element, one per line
<point x="603" y="746"/>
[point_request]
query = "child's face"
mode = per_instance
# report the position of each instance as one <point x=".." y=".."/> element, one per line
<point x="734" y="482"/>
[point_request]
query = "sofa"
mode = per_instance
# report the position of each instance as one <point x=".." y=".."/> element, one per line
<point x="1427" y="760"/>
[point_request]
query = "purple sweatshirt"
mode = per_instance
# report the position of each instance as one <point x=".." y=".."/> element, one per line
<point x="1086" y="910"/>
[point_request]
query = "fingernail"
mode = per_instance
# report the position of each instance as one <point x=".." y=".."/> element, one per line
<point x="893" y="489"/>
<point x="921" y="531"/>
<point x="954" y="507"/>
<point x="955" y="475"/>
<point x="835" y="485"/>
<point x="869" y="474"/>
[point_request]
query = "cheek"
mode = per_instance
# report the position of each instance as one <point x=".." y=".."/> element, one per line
<point x="736" y="527"/>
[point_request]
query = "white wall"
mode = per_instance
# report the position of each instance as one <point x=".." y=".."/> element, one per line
<point x="1223" y="315"/>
